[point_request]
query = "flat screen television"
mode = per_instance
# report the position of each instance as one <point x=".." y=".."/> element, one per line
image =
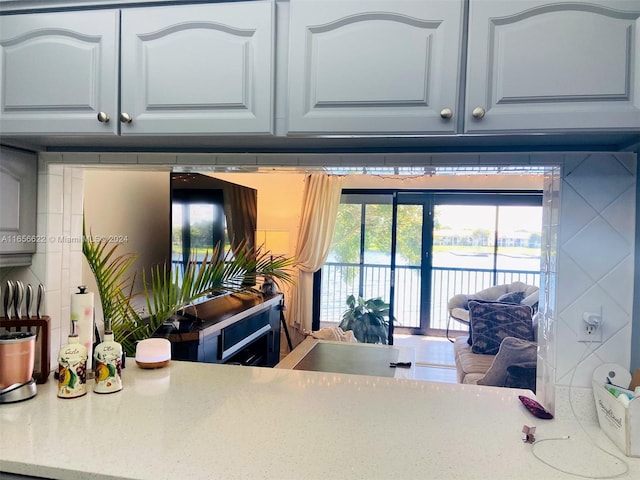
<point x="207" y="211"/>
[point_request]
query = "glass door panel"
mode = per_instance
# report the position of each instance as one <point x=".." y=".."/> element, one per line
<point x="341" y="273"/>
<point x="376" y="265"/>
<point x="519" y="243"/>
<point x="463" y="250"/>
<point x="359" y="261"/>
<point x="408" y="267"/>
<point x="195" y="228"/>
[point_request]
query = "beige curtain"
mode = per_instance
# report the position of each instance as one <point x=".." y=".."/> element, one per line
<point x="317" y="223"/>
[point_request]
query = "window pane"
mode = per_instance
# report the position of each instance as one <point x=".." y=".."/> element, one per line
<point x="463" y="236"/>
<point x="463" y="253"/>
<point x="345" y="247"/>
<point x="176" y="231"/>
<point x="201" y="229"/>
<point x="340" y="274"/>
<point x="408" y="266"/>
<point x="377" y="252"/>
<point x="519" y="241"/>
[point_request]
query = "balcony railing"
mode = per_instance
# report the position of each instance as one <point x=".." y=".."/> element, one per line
<point x="339" y="280"/>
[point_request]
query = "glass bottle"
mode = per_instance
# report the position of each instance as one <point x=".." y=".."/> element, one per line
<point x="107" y="361"/>
<point x="72" y="366"/>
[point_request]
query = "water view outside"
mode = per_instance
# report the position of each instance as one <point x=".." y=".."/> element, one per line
<point x="474" y="247"/>
<point x="193" y="234"/>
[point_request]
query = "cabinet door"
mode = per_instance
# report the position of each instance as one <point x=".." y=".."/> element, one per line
<point x="543" y="65"/>
<point x="201" y="69"/>
<point x="375" y="66"/>
<point x="58" y="71"/>
<point x="18" y="174"/>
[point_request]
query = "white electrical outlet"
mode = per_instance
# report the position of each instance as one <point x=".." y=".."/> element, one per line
<point x="590" y="328"/>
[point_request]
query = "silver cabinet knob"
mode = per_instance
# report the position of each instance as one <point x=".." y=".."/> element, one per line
<point x="446" y="113"/>
<point x="103" y="117"/>
<point x="125" y="118"/>
<point x="478" y="112"/>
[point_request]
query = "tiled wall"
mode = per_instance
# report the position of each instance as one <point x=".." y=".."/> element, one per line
<point x="590" y="268"/>
<point x="59" y="260"/>
<point x="588" y="262"/>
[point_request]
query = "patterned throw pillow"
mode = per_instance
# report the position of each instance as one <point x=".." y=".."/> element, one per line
<point x="492" y="322"/>
<point x="479" y="300"/>
<point x="511" y="297"/>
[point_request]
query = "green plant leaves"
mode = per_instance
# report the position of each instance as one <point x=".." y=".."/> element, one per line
<point x="367" y="318"/>
<point x="166" y="292"/>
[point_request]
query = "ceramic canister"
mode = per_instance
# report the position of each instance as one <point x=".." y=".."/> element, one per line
<point x="17" y="357"/>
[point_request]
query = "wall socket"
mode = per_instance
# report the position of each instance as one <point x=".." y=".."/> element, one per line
<point x="590" y="328"/>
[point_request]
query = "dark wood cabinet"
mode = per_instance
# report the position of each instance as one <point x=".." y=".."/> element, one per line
<point x="240" y="328"/>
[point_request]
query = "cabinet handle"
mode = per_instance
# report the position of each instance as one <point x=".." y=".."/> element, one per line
<point x="103" y="117"/>
<point x="446" y="113"/>
<point x="125" y="118"/>
<point x="478" y="112"/>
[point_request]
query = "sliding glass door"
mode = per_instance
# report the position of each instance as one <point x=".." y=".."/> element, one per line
<point x="359" y="262"/>
<point x="411" y="300"/>
<point x="416" y="250"/>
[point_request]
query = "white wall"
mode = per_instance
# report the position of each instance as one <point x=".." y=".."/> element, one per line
<point x="131" y="207"/>
<point x="279" y="200"/>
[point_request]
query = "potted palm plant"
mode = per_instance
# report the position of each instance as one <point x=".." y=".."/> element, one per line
<point x="167" y="292"/>
<point x="369" y="319"/>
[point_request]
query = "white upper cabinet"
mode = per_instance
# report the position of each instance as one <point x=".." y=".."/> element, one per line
<point x="374" y="66"/>
<point x="198" y="69"/>
<point x="553" y="66"/>
<point x="58" y="71"/>
<point x="18" y="176"/>
<point x="185" y="70"/>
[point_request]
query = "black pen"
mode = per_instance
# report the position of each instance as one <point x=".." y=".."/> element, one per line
<point x="400" y="364"/>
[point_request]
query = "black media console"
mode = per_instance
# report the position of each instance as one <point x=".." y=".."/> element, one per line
<point x="238" y="328"/>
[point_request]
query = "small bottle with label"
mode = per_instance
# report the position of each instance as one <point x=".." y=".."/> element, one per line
<point x="107" y="361"/>
<point x="72" y="366"/>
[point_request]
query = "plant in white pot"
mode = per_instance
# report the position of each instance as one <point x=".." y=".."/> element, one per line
<point x="368" y="319"/>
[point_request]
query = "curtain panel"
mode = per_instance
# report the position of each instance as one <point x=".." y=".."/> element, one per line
<point x="321" y="199"/>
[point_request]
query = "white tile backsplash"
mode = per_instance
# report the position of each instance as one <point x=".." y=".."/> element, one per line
<point x="599" y="179"/>
<point x="595" y="259"/>
<point x="575" y="212"/>
<point x="586" y="248"/>
<point x="54" y="232"/>
<point x="58" y="263"/>
<point x="572" y="281"/>
<point x="617" y="285"/>
<point x="617" y="213"/>
<point x="55" y="194"/>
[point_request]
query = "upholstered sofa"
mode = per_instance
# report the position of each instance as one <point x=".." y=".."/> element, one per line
<point x="506" y="328"/>
<point x="458" y="304"/>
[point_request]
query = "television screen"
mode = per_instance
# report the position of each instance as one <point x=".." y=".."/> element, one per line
<point x="205" y="212"/>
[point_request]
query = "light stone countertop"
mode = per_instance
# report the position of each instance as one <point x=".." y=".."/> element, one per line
<point x="212" y="421"/>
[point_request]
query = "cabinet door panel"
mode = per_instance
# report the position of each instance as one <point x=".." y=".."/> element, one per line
<point x="538" y="65"/>
<point x="373" y="67"/>
<point x="198" y="69"/>
<point x="18" y="173"/>
<point x="58" y="70"/>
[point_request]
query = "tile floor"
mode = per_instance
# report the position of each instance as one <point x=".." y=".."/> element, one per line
<point x="433" y="357"/>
